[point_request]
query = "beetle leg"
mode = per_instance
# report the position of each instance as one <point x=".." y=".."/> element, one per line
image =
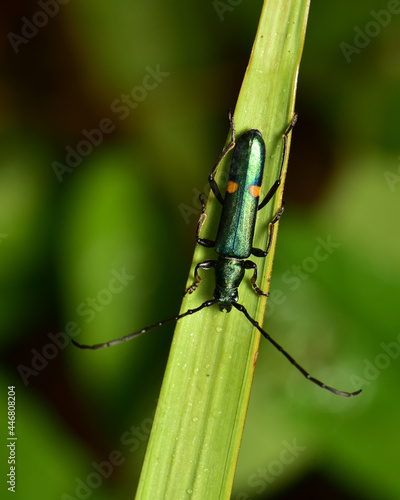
<point x="277" y="183"/>
<point x="206" y="265"/>
<point x="249" y="264"/>
<point x="261" y="253"/>
<point x="231" y="145"/>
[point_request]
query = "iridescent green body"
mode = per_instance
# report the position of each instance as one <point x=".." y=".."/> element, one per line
<point x="239" y="213"/>
<point x="235" y="235"/>
<point x="234" y="241"/>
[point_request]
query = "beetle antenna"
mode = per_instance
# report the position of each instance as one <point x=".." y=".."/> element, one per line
<point x="289" y="357"/>
<point x="208" y="303"/>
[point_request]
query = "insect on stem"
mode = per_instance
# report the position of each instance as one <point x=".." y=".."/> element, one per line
<point x="234" y="240"/>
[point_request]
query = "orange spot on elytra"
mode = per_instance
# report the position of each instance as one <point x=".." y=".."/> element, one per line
<point x="254" y="191"/>
<point x="232" y="187"/>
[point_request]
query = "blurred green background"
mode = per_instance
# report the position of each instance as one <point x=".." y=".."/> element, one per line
<point x="103" y="245"/>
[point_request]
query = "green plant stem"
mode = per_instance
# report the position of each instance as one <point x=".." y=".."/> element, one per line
<point x="199" y="421"/>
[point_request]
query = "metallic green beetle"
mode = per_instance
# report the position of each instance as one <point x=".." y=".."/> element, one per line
<point x="234" y="241"/>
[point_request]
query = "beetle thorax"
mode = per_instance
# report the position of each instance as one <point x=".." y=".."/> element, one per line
<point x="229" y="274"/>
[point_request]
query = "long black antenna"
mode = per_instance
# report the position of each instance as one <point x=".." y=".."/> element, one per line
<point x="208" y="303"/>
<point x="289" y="357"/>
